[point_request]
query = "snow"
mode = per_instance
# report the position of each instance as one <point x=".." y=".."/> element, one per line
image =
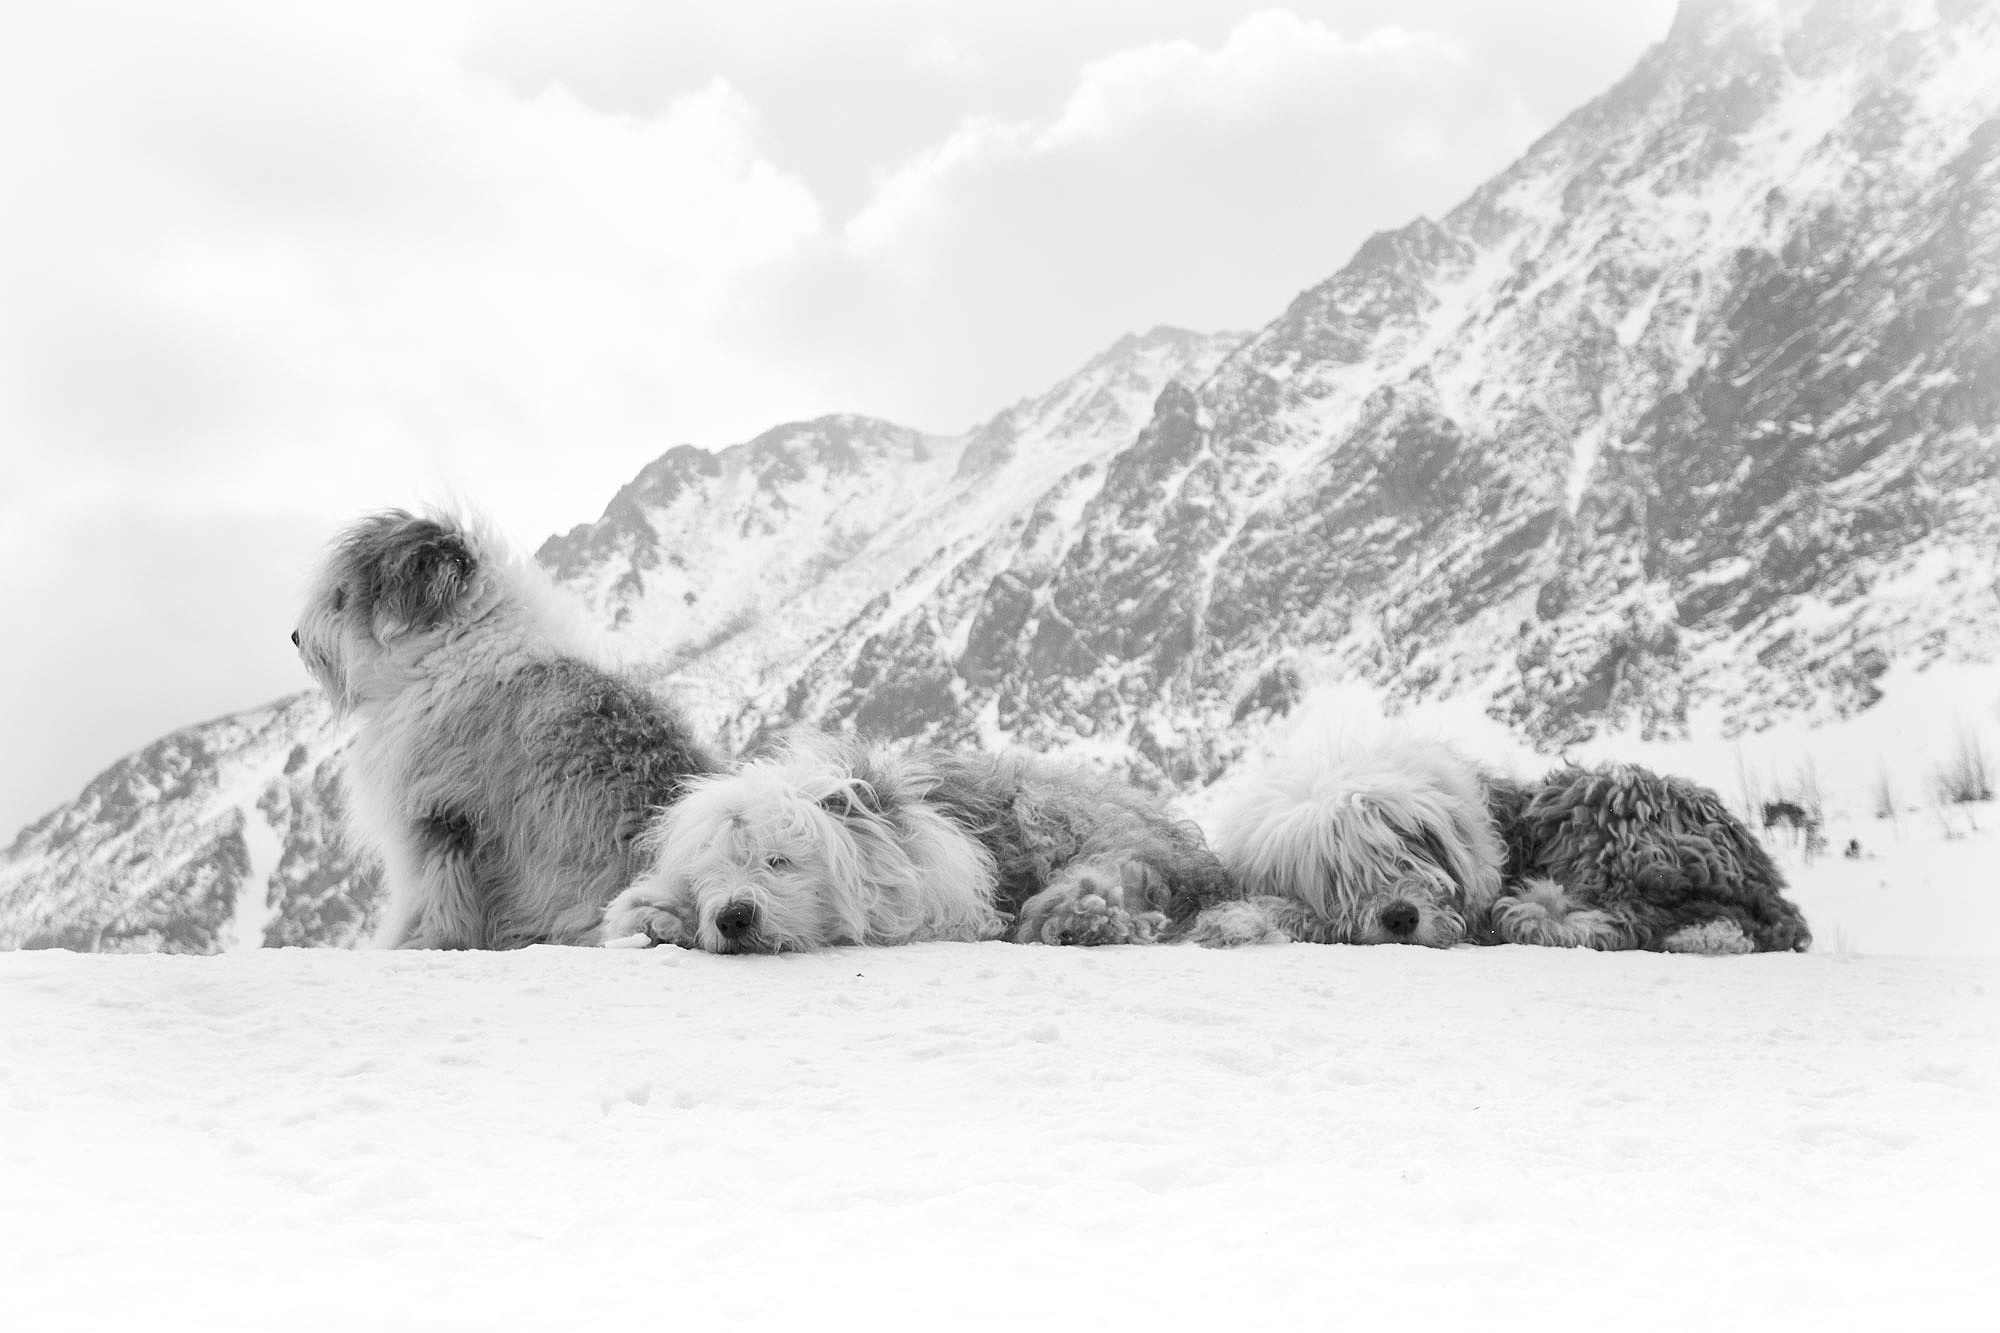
<point x="982" y="1135"/>
<point x="254" y="908"/>
<point x="1584" y="449"/>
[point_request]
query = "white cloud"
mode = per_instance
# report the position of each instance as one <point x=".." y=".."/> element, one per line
<point x="310" y="246"/>
<point x="1269" y="63"/>
<point x="943" y="56"/>
<point x="1266" y="59"/>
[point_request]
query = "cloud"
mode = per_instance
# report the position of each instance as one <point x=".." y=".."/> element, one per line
<point x="1271" y="64"/>
<point x="306" y="243"/>
<point x="1267" y="59"/>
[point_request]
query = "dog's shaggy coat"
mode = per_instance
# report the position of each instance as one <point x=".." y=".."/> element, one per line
<point x="1358" y="841"/>
<point x="500" y="776"/>
<point x="1620" y="857"/>
<point x="831" y="841"/>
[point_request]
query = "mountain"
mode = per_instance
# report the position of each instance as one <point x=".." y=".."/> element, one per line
<point x="1688" y="418"/>
<point x="222" y="835"/>
<point x="1687" y="422"/>
<point x="708" y="568"/>
<point x="726" y="573"/>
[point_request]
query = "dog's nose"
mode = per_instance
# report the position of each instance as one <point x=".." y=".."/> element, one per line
<point x="1400" y="919"/>
<point x="734" y="920"/>
<point x="295" y="638"/>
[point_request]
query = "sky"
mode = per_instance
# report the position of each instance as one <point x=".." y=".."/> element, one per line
<point x="267" y="266"/>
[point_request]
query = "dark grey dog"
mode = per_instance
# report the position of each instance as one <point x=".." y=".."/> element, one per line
<point x="1621" y="857"/>
<point x="499" y="774"/>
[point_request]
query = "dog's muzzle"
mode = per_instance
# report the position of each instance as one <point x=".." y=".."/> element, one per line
<point x="1400" y="919"/>
<point x="736" y="921"/>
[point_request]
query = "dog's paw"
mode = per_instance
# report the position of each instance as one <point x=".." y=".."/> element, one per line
<point x="1094" y="904"/>
<point x="1543" y="916"/>
<point x="1721" y="936"/>
<point x="642" y="916"/>
<point x="1232" y="925"/>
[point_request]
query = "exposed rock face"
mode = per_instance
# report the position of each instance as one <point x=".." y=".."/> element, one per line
<point x="1693" y="408"/>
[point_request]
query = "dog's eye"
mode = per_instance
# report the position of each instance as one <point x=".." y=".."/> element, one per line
<point x="777" y="863"/>
<point x="340" y="599"/>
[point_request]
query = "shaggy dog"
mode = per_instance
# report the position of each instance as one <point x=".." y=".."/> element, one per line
<point x="830" y="841"/>
<point x="1358" y="842"/>
<point x="499" y="775"/>
<point x="1620" y="857"/>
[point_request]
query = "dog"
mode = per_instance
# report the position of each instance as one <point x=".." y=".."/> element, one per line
<point x="832" y="841"/>
<point x="1365" y="841"/>
<point x="500" y="774"/>
<point x="1621" y="857"/>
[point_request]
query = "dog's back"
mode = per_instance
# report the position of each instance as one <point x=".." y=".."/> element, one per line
<point x="1037" y="816"/>
<point x="527" y="790"/>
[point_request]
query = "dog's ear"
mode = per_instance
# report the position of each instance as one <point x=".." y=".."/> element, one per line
<point x="424" y="577"/>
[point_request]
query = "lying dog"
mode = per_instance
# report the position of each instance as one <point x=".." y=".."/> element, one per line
<point x="1620" y="857"/>
<point x="832" y="841"/>
<point x="1366" y="842"/>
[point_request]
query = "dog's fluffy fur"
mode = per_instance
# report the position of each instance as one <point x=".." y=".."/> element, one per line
<point x="831" y="841"/>
<point x="1620" y="857"/>
<point x="500" y="776"/>
<point x="1366" y="841"/>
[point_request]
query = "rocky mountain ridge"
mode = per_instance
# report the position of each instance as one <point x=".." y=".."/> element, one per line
<point x="1686" y="419"/>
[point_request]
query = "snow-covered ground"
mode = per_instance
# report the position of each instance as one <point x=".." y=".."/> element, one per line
<point x="986" y="1135"/>
<point x="996" y="1135"/>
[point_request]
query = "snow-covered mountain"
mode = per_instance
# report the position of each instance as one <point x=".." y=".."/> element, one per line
<point x="725" y="573"/>
<point x="1687" y="418"/>
<point x="1686" y="422"/>
<point x="222" y="835"/>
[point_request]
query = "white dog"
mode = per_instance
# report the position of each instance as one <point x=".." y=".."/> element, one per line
<point x="499" y="774"/>
<point x="832" y="842"/>
<point x="1366" y="842"/>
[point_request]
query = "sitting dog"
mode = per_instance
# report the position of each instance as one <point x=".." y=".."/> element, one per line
<point x="499" y="774"/>
<point x="1365" y="842"/>
<point x="1620" y="857"/>
<point x="832" y="841"/>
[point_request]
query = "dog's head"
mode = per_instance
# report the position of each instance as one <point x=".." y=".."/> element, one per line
<point x="793" y="852"/>
<point x="1381" y="847"/>
<point x="392" y="584"/>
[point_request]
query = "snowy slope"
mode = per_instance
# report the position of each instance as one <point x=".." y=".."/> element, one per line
<point x="725" y="573"/>
<point x="999" y="1136"/>
<point x="222" y="835"/>
<point x="1694" y="408"/>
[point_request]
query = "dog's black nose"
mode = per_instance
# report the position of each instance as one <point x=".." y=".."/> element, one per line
<point x="1400" y="919"/>
<point x="735" y="919"/>
<point x="295" y="638"/>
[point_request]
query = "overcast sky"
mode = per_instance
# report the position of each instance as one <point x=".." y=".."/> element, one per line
<point x="265" y="266"/>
